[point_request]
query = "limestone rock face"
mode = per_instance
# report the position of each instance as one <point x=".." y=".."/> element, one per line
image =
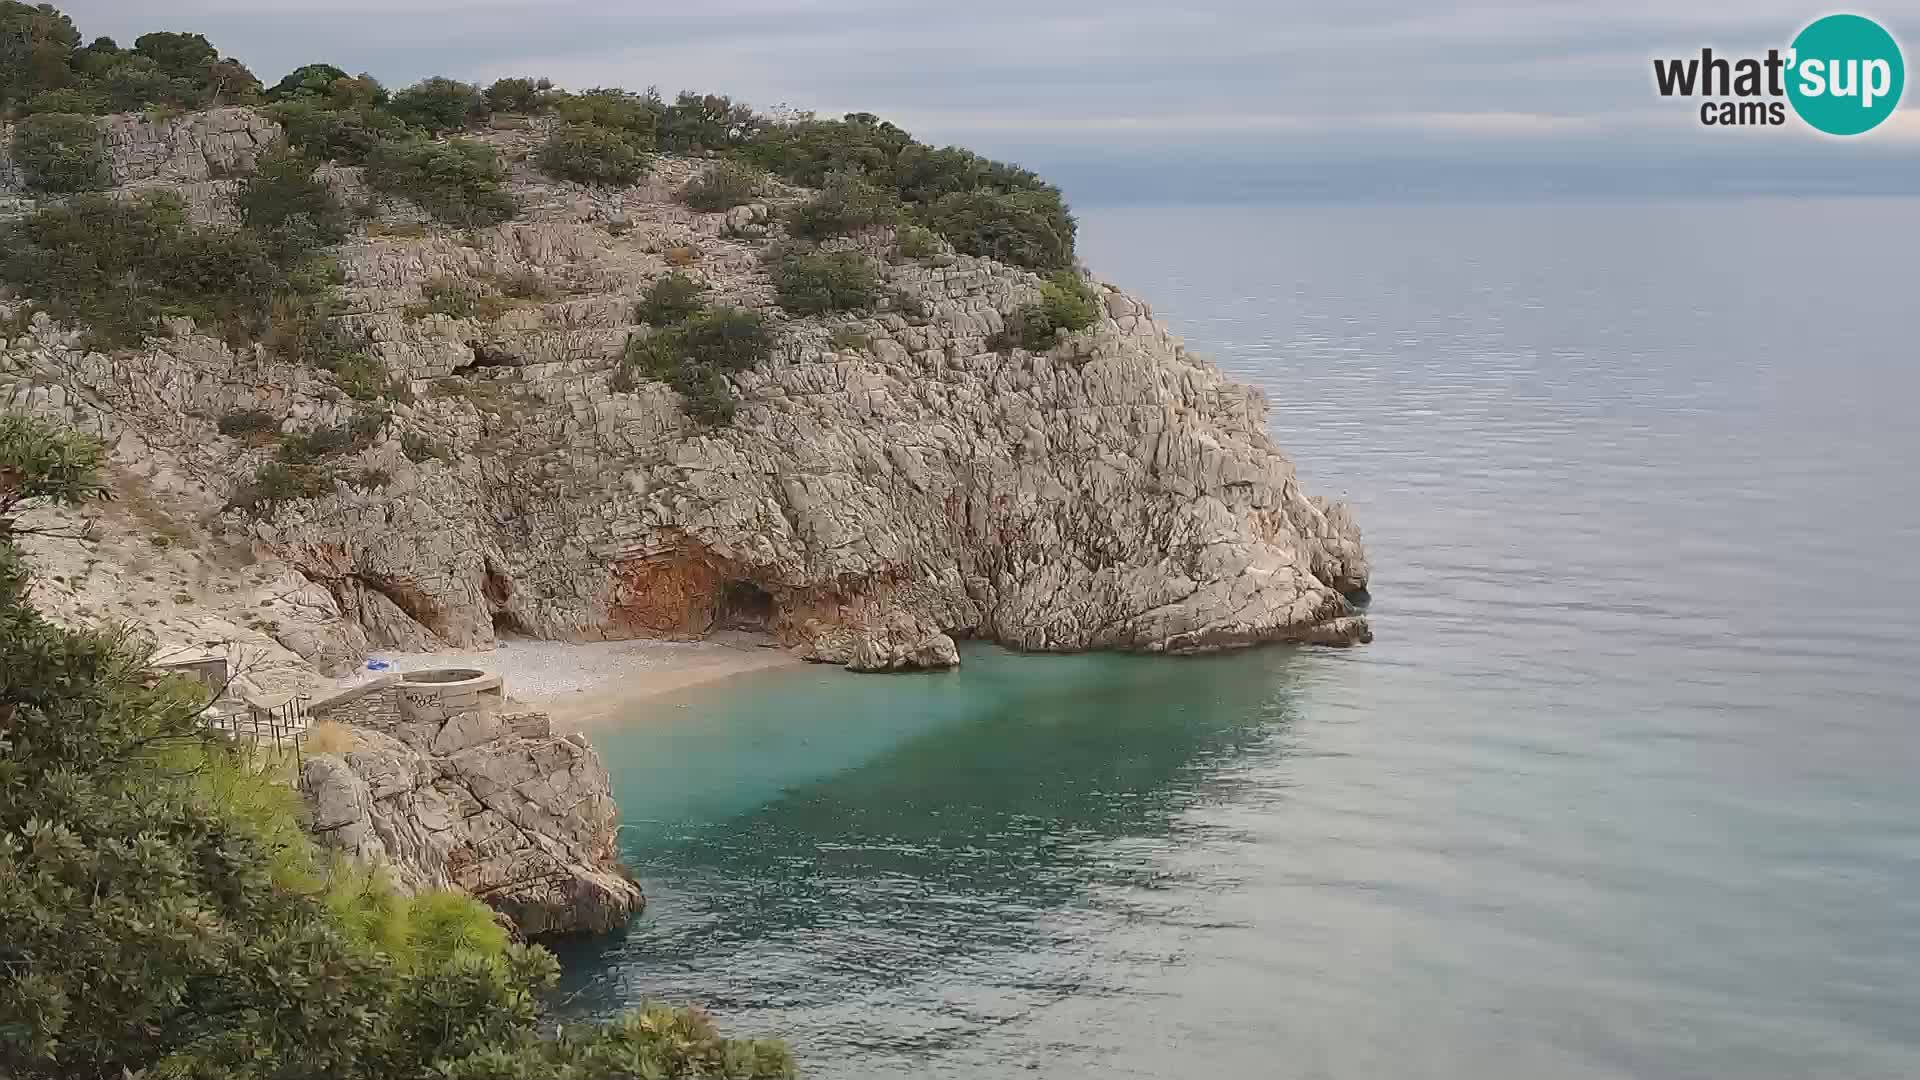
<point x="889" y="482"/>
<point x="493" y="804"/>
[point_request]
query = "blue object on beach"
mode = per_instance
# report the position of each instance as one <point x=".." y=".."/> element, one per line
<point x="378" y="665"/>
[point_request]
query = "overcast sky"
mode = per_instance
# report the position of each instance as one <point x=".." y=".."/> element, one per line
<point x="1130" y="100"/>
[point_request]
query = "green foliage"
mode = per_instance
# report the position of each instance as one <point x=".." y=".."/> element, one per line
<point x="307" y="330"/>
<point x="86" y="101"/>
<point x="589" y="154"/>
<point x="372" y="479"/>
<point x="982" y="207"/>
<point x="705" y="122"/>
<point x="1067" y="303"/>
<point x="118" y="265"/>
<point x="36" y="43"/>
<point x="670" y="300"/>
<point x="724" y="186"/>
<point x="276" y="482"/>
<point x="42" y="467"/>
<point x="248" y="423"/>
<point x="639" y="115"/>
<point x="166" y="914"/>
<point x="845" y="205"/>
<point x="817" y="284"/>
<point x="179" y="55"/>
<point x="695" y="356"/>
<point x="706" y="395"/>
<point x="439" y="105"/>
<point x="308" y="447"/>
<point x="518" y="95"/>
<point x="326" y="132"/>
<point x="1026" y="228"/>
<point x="284" y="202"/>
<point x="809" y="151"/>
<point x="40" y="55"/>
<point x="61" y="152"/>
<point x="458" y="182"/>
<point x="916" y="242"/>
<point x="447" y="296"/>
<point x="729" y="339"/>
<point x="331" y="87"/>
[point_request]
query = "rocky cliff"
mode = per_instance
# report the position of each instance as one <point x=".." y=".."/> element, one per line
<point x="491" y="803"/>
<point x="889" y="483"/>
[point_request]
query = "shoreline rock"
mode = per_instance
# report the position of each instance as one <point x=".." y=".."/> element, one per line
<point x="490" y="803"/>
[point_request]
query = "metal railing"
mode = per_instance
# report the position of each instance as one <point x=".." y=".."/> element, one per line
<point x="272" y="728"/>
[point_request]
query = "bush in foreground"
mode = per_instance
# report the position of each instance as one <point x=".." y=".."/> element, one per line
<point x="167" y="915"/>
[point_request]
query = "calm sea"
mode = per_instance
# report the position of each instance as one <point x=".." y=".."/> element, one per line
<point x="1629" y="785"/>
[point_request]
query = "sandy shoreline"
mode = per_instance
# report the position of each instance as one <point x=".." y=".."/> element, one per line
<point x="585" y="683"/>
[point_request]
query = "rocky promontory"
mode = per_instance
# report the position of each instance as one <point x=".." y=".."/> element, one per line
<point x="492" y="803"/>
<point x="889" y="482"/>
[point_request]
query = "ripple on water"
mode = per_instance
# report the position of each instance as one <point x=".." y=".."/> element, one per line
<point x="1623" y="788"/>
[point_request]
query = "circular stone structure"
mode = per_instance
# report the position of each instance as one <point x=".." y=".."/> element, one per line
<point x="437" y="693"/>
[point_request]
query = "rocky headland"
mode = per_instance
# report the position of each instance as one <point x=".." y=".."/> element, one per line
<point x="889" y="482"/>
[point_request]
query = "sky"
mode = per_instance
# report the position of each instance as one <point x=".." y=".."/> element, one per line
<point x="1130" y="101"/>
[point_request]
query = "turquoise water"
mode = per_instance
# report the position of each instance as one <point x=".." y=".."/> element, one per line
<point x="1625" y="787"/>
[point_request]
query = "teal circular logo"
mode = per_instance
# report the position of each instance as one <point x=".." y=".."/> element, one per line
<point x="1845" y="75"/>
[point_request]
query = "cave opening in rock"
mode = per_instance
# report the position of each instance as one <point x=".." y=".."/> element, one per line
<point x="744" y="606"/>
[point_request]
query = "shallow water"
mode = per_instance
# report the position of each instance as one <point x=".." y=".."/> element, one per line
<point x="1625" y="787"/>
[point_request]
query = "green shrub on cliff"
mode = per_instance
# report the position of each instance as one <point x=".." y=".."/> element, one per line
<point x="639" y="115"/>
<point x="670" y="300"/>
<point x="167" y="915"/>
<point x="724" y="186"/>
<point x="590" y="154"/>
<point x="1025" y="228"/>
<point x="1067" y="303"/>
<point x="439" y="105"/>
<point x="117" y="266"/>
<point x="458" y="182"/>
<point x="61" y="152"/>
<point x="845" y="205"/>
<point x="817" y="284"/>
<point x="285" y="202"/>
<point x="696" y="355"/>
<point x="518" y="95"/>
<point x="326" y="132"/>
<point x="980" y="206"/>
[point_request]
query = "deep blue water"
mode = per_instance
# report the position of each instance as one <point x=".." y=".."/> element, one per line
<point x="1626" y="787"/>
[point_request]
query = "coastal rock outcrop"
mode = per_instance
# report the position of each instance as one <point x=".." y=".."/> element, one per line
<point x="488" y="802"/>
<point x="889" y="483"/>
